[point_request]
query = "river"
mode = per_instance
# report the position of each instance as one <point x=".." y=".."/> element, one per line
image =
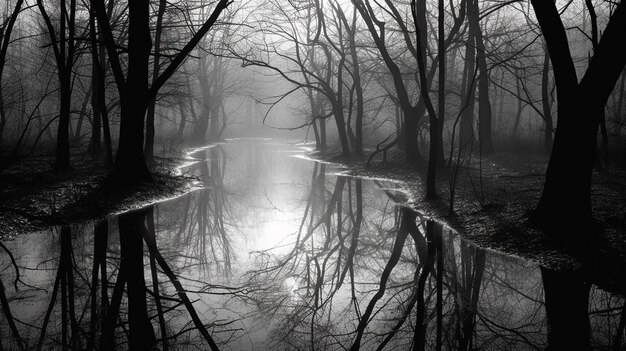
<point x="274" y="251"/>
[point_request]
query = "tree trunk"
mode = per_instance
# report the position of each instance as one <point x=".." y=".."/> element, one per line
<point x="183" y="120"/>
<point x="341" y="129"/>
<point x="572" y="158"/>
<point x="469" y="97"/>
<point x="148" y="150"/>
<point x="3" y="117"/>
<point x="5" y="40"/>
<point x="322" y="123"/>
<point x="149" y="144"/>
<point x="81" y="115"/>
<point x="399" y="127"/>
<point x="620" y="116"/>
<point x="202" y="123"/>
<point x="214" y="127"/>
<point x="545" y="102"/>
<point x="63" y="47"/>
<point x="411" y="149"/>
<point x="500" y="98"/>
<point x="441" y="161"/>
<point x="520" y="108"/>
<point x="484" y="105"/>
<point x="130" y="165"/>
<point x="605" y="140"/>
<point x="95" y="144"/>
<point x="316" y="133"/>
<point x="418" y="9"/>
<point x="567" y="189"/>
<point x="358" y="147"/>
<point x="62" y="161"/>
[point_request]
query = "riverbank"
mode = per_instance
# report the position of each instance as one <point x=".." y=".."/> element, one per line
<point x="34" y="196"/>
<point x="494" y="196"/>
<point x="269" y="233"/>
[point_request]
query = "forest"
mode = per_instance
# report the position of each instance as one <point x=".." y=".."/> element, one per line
<point x="312" y="174"/>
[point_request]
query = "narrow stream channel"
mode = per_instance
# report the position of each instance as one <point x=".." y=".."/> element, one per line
<point x="277" y="252"/>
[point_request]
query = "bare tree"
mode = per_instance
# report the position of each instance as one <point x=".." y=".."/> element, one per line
<point x="579" y="112"/>
<point x="6" y="29"/>
<point x="135" y="94"/>
<point x="63" y="42"/>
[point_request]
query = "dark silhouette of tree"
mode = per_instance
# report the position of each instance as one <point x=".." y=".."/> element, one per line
<point x="100" y="115"/>
<point x="6" y="309"/>
<point x="418" y="10"/>
<point x="212" y="74"/>
<point x="326" y="58"/>
<point x="63" y="42"/>
<point x="65" y="282"/>
<point x="156" y="70"/>
<point x="567" y="189"/>
<point x="484" y="103"/>
<point x="6" y="29"/>
<point x="545" y="101"/>
<point x="135" y="94"/>
<point x="411" y="112"/>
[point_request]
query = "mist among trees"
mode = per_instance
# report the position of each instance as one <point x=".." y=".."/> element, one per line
<point x="505" y="119"/>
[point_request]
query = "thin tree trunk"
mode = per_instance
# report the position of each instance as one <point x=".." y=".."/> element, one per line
<point x="441" y="161"/>
<point x="484" y="105"/>
<point x="5" y="40"/>
<point x="82" y="114"/>
<point x="469" y="91"/>
<point x="418" y="10"/>
<point x="3" y="116"/>
<point x="316" y="133"/>
<point x="183" y="121"/>
<point x="520" y="108"/>
<point x="62" y="161"/>
<point x="620" y="102"/>
<point x="358" y="148"/>
<point x="322" y="123"/>
<point x="63" y="47"/>
<point x="149" y="144"/>
<point x="95" y="145"/>
<point x="545" y="101"/>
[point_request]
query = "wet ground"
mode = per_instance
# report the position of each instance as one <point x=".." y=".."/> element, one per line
<point x="33" y="196"/>
<point x="276" y="251"/>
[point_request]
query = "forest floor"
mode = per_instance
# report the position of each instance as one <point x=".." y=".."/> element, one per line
<point x="493" y="199"/>
<point x="33" y="196"/>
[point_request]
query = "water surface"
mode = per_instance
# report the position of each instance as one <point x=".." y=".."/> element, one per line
<point x="279" y="252"/>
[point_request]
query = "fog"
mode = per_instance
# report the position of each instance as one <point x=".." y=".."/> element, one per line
<point x="312" y="174"/>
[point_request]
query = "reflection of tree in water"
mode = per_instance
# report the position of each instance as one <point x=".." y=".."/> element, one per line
<point x="355" y="278"/>
<point x="359" y="273"/>
<point x="327" y="298"/>
<point x="7" y="313"/>
<point x="205" y="230"/>
<point x="102" y="299"/>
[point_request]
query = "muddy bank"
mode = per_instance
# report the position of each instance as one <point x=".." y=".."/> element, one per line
<point x="493" y="198"/>
<point x="33" y="196"/>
